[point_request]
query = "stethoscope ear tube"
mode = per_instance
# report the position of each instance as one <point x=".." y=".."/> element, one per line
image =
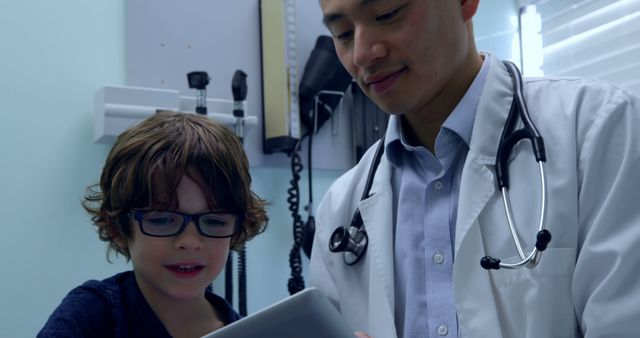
<point x="542" y="241"/>
<point x="508" y="140"/>
<point x="510" y="137"/>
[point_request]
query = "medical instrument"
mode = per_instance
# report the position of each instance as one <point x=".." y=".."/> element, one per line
<point x="321" y="90"/>
<point x="239" y="92"/>
<point x="279" y="64"/>
<point x="322" y="85"/>
<point x="353" y="240"/>
<point x="199" y="80"/>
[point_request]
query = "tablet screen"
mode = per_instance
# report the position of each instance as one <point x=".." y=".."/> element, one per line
<point x="307" y="314"/>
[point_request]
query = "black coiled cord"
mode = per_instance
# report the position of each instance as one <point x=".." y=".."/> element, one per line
<point x="296" y="281"/>
<point x="228" y="279"/>
<point x="242" y="281"/>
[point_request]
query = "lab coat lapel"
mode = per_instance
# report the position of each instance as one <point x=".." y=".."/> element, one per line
<point x="476" y="188"/>
<point x="476" y="306"/>
<point x="377" y="215"/>
<point x="478" y="180"/>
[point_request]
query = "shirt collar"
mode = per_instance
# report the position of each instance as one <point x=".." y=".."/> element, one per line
<point x="459" y="122"/>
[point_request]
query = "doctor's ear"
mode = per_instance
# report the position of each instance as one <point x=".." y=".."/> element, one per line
<point x="469" y="8"/>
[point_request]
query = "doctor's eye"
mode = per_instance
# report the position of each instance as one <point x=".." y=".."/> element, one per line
<point x="388" y="16"/>
<point x="344" y="36"/>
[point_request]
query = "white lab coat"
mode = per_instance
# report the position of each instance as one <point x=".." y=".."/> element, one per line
<point x="588" y="281"/>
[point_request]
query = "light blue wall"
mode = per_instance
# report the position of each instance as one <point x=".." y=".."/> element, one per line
<point x="54" y="56"/>
<point x="496" y="28"/>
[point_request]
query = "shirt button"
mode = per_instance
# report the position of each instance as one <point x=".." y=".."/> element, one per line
<point x="438" y="258"/>
<point x="438" y="186"/>
<point x="443" y="330"/>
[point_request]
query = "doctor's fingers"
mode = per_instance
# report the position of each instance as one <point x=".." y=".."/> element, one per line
<point x="361" y="334"/>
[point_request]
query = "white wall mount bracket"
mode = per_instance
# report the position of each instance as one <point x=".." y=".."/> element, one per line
<point x="117" y="108"/>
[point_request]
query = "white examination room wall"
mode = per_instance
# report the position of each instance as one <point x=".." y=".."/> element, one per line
<point x="54" y="56"/>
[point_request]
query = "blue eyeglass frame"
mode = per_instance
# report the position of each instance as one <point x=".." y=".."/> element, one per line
<point x="138" y="215"/>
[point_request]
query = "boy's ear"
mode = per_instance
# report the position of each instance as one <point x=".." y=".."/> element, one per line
<point x="469" y="8"/>
<point x="121" y="242"/>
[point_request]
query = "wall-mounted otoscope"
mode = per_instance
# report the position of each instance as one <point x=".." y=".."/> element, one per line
<point x="199" y="80"/>
<point x="239" y="90"/>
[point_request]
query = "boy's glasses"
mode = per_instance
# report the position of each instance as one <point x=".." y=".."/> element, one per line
<point x="162" y="223"/>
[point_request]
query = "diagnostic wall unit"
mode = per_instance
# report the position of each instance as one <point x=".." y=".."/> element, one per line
<point x="166" y="39"/>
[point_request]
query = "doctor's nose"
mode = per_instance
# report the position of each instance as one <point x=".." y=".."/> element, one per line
<point x="367" y="49"/>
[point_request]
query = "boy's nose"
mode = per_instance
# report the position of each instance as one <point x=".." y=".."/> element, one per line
<point x="189" y="239"/>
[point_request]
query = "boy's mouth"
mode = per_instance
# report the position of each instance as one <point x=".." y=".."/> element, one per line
<point x="185" y="270"/>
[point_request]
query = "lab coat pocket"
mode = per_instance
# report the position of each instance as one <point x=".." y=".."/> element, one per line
<point x="537" y="302"/>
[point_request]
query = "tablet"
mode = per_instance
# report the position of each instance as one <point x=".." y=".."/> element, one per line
<point x="308" y="313"/>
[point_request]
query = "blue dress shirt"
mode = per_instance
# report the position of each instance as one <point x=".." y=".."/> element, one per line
<point x="425" y="191"/>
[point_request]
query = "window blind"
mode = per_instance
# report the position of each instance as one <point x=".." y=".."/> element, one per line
<point x="592" y="38"/>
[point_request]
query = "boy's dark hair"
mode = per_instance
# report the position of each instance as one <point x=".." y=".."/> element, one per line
<point x="146" y="163"/>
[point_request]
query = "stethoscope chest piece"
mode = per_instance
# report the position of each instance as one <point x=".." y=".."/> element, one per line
<point x="352" y="241"/>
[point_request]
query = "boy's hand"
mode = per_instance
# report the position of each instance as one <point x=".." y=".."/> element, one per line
<point x="361" y="334"/>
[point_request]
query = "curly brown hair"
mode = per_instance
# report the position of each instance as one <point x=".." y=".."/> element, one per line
<point x="146" y="163"/>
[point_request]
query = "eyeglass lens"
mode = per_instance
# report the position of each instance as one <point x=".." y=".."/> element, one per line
<point x="167" y="223"/>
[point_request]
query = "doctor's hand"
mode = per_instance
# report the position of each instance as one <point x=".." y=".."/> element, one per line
<point x="361" y="334"/>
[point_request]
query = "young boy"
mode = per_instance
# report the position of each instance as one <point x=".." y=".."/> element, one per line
<point x="173" y="198"/>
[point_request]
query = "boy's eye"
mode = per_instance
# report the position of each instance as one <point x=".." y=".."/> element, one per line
<point x="212" y="222"/>
<point x="159" y="220"/>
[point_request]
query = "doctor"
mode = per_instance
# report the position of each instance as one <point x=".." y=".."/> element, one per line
<point x="434" y="209"/>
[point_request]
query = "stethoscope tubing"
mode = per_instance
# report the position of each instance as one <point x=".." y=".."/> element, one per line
<point x="353" y="240"/>
<point x="533" y="258"/>
<point x="529" y="131"/>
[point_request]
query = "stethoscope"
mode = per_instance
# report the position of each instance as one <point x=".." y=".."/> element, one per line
<point x="353" y="240"/>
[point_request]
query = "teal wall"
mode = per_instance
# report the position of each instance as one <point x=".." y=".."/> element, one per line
<point x="496" y="29"/>
<point x="54" y="56"/>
